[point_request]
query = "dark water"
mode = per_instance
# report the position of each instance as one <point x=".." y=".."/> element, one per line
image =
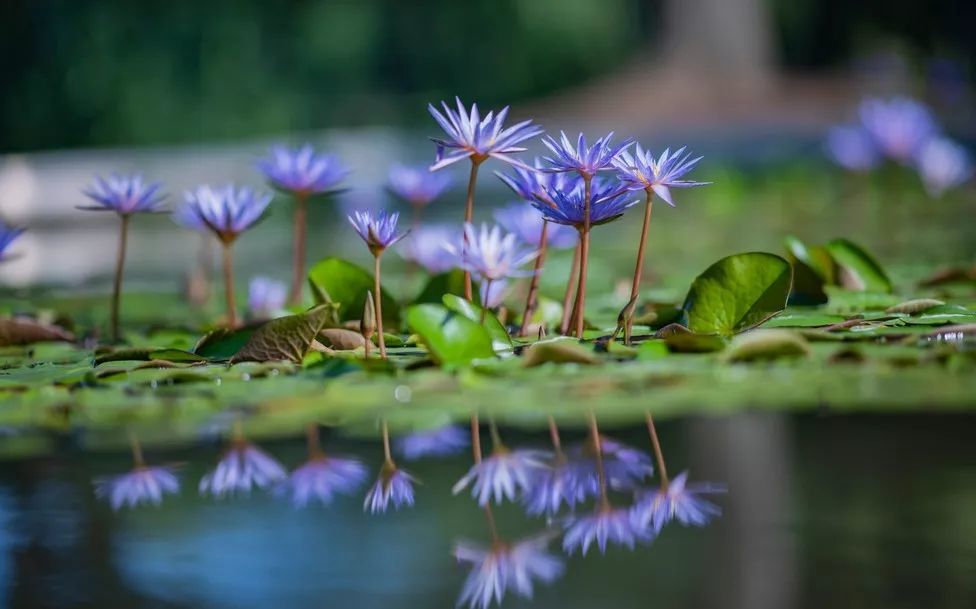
<point x="828" y="511"/>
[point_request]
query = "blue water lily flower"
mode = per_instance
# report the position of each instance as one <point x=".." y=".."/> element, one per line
<point x="321" y="478"/>
<point x="607" y="525"/>
<point x="529" y="184"/>
<point x="418" y="186"/>
<point x="502" y="475"/>
<point x="302" y="171"/>
<point x="567" y="205"/>
<point x="437" y="442"/>
<point x="899" y="126"/>
<point x="853" y="148"/>
<point x="641" y="171"/>
<point x="490" y="254"/>
<point x="679" y="501"/>
<point x="266" y="297"/>
<point x="425" y="247"/>
<point x="8" y="234"/>
<point x="394" y="486"/>
<point x="471" y="136"/>
<point x="227" y="211"/>
<point x="943" y="165"/>
<point x="243" y="467"/>
<point x="141" y="485"/>
<point x="378" y="230"/>
<point x="526" y="222"/>
<point x="582" y="158"/>
<point x="505" y="566"/>
<point x="124" y="194"/>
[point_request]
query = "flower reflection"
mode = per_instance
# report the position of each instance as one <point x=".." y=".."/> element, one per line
<point x="677" y="500"/>
<point x="321" y="478"/>
<point x="141" y="485"/>
<point x="505" y="565"/>
<point x="393" y="486"/>
<point x="242" y="467"/>
<point x="607" y="524"/>
<point x="438" y="442"/>
<point x="552" y="487"/>
<point x="625" y="467"/>
<point x="502" y="475"/>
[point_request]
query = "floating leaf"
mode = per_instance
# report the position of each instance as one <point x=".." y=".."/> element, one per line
<point x="169" y="355"/>
<point x="342" y="339"/>
<point x="221" y="344"/>
<point x="799" y="318"/>
<point x="285" y="338"/>
<point x="559" y="351"/>
<point x="943" y="314"/>
<point x="812" y="269"/>
<point x="737" y="293"/>
<point x="451" y="282"/>
<point x="917" y="305"/>
<point x="846" y="302"/>
<point x="499" y="336"/>
<point x="25" y="331"/>
<point x="347" y="285"/>
<point x="451" y="338"/>
<point x="766" y="344"/>
<point x="857" y="269"/>
<point x="682" y="340"/>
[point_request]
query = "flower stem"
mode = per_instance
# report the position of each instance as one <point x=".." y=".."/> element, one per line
<point x="378" y="301"/>
<point x="532" y="299"/>
<point x="658" y="454"/>
<point x="475" y="439"/>
<point x="136" y="447"/>
<point x="484" y="300"/>
<point x="298" y="252"/>
<point x="229" y="284"/>
<point x="638" y="268"/>
<point x="117" y="284"/>
<point x="312" y="442"/>
<point x="598" y="455"/>
<point x="584" y="258"/>
<point x="569" y="308"/>
<point x="468" y="217"/>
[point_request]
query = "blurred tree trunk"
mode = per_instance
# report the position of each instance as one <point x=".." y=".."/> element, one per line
<point x="728" y="42"/>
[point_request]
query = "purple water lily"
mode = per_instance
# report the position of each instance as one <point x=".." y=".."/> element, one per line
<point x="899" y="126"/>
<point x="641" y="171"/>
<point x="140" y="486"/>
<point x="943" y="165"/>
<point x="552" y="488"/>
<point x="853" y="148"/>
<point x="607" y="525"/>
<point x="608" y="201"/>
<point x="502" y="475"/>
<point x="582" y="158"/>
<point x="393" y="486"/>
<point x="530" y="184"/>
<point x="491" y="254"/>
<point x="8" y="234"/>
<point x="266" y="297"/>
<point x="124" y="194"/>
<point x="244" y="466"/>
<point x="417" y="186"/>
<point x="302" y="171"/>
<point x="321" y="478"/>
<point x="425" y="247"/>
<point x="378" y="230"/>
<point x="227" y="211"/>
<point x="438" y="442"/>
<point x="526" y="222"/>
<point x="624" y="467"/>
<point x="471" y="136"/>
<point x="503" y="566"/>
<point x="679" y="501"/>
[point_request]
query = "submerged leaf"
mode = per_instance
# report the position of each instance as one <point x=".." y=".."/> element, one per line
<point x="451" y="338"/>
<point x="286" y="338"/>
<point x="737" y="293"/>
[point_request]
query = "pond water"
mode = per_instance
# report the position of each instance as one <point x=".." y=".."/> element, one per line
<point x="821" y="511"/>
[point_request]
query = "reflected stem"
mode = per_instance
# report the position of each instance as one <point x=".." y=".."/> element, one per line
<point x="136" y="447"/>
<point x="598" y="455"/>
<point x="313" y="442"/>
<point x="557" y="444"/>
<point x="387" y="455"/>
<point x="658" y="454"/>
<point x="117" y="283"/>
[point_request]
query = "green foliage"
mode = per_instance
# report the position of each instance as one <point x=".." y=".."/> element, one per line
<point x="450" y="337"/>
<point x="737" y="293"/>
<point x="347" y="285"/>
<point x="499" y="335"/>
<point x="285" y="338"/>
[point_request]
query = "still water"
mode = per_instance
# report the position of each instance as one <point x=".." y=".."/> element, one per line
<point x="821" y="511"/>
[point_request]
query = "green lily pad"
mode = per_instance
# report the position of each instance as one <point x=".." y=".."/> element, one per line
<point x="737" y="293"/>
<point x="347" y="285"/>
<point x="812" y="269"/>
<point x="450" y="337"/>
<point x="857" y="269"/>
<point x="499" y="335"/>
<point x="558" y="351"/>
<point x="766" y="344"/>
<point x="451" y="282"/>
